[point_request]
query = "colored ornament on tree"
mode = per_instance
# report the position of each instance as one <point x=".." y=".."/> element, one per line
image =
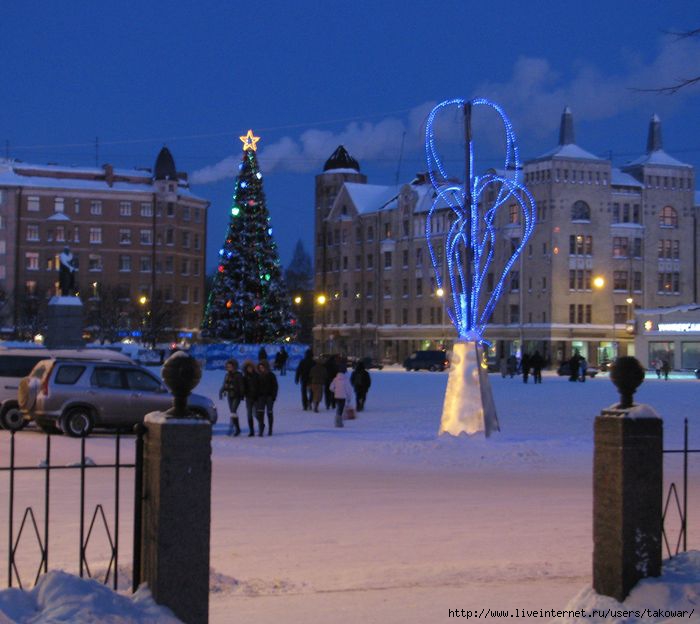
<point x="248" y="301"/>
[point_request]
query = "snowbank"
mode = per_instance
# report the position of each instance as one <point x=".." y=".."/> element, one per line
<point x="672" y="597"/>
<point x="61" y="597"/>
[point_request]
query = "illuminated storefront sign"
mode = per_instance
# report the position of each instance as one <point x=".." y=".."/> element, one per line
<point x="679" y="327"/>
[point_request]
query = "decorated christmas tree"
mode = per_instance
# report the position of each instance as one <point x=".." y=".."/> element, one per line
<point x="248" y="301"/>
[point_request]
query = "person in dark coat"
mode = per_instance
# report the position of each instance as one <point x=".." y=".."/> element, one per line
<point x="361" y="382"/>
<point x="525" y="365"/>
<point x="266" y="397"/>
<point x="317" y="382"/>
<point x="574" y="364"/>
<point x="331" y="372"/>
<point x="251" y="384"/>
<point x="234" y="390"/>
<point x="665" y="368"/>
<point x="512" y="365"/>
<point x="281" y="361"/>
<point x="262" y="354"/>
<point x="302" y="376"/>
<point x="537" y="363"/>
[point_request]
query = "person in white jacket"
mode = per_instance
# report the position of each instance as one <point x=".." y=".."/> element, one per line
<point x="342" y="391"/>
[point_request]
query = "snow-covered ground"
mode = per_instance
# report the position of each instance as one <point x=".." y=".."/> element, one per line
<point x="382" y="521"/>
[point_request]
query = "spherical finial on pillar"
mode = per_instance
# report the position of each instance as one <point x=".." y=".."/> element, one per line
<point x="181" y="373"/>
<point x="627" y="374"/>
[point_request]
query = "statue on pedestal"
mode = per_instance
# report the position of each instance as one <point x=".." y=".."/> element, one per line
<point x="66" y="276"/>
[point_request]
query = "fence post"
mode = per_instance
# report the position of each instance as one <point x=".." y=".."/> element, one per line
<point x="627" y="489"/>
<point x="177" y="500"/>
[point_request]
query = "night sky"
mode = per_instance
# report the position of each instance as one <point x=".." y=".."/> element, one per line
<point x="307" y="76"/>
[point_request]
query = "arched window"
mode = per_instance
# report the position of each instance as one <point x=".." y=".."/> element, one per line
<point x="580" y="211"/>
<point x="668" y="217"/>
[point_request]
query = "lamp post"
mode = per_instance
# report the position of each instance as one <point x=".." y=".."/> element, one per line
<point x="321" y="301"/>
<point x="143" y="301"/>
<point x="599" y="283"/>
<point x="440" y="292"/>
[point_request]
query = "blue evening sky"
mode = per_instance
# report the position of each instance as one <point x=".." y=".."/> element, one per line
<point x="308" y="75"/>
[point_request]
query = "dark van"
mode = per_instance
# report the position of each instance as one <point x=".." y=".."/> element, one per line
<point x="426" y="360"/>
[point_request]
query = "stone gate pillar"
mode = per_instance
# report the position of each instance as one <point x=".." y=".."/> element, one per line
<point x="627" y="489"/>
<point x="177" y="500"/>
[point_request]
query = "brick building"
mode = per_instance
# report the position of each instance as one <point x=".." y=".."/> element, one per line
<point x="134" y="231"/>
<point x="634" y="227"/>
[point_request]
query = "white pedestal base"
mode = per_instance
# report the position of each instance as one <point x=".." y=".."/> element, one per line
<point x="469" y="406"/>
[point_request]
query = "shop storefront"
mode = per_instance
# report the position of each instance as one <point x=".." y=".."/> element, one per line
<point x="671" y="335"/>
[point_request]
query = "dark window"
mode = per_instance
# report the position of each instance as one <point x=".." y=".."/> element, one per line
<point x="580" y="211"/>
<point x="18" y="365"/>
<point x="108" y="378"/>
<point x="68" y="374"/>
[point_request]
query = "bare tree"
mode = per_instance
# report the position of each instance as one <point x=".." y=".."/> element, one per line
<point x="681" y="83"/>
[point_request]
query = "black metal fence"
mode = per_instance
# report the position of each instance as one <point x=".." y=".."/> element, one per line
<point x="88" y="523"/>
<point x="678" y="504"/>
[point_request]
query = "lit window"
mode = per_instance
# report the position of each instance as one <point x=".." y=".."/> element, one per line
<point x="31" y="261"/>
<point x="146" y="209"/>
<point x="125" y="209"/>
<point x="33" y="203"/>
<point x="668" y="217"/>
<point x="58" y="204"/>
<point x="96" y="235"/>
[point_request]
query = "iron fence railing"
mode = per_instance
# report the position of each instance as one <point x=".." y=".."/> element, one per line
<point x="98" y="517"/>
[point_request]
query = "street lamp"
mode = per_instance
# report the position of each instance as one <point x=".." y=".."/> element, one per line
<point x="321" y="301"/>
<point x="440" y="292"/>
<point x="599" y="283"/>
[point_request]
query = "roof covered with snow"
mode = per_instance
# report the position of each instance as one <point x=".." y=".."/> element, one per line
<point x="620" y="178"/>
<point x="570" y="150"/>
<point x="16" y="174"/>
<point x="657" y="157"/>
<point x="369" y="198"/>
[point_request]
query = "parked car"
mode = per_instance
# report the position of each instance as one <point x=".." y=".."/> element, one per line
<point x="565" y="370"/>
<point x="75" y="395"/>
<point x="367" y="361"/>
<point x="16" y="363"/>
<point x="697" y="373"/>
<point x="426" y="360"/>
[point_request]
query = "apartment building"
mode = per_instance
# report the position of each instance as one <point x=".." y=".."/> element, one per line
<point x="608" y="241"/>
<point x="140" y="232"/>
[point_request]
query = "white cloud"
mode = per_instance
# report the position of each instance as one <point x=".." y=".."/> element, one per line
<point x="534" y="97"/>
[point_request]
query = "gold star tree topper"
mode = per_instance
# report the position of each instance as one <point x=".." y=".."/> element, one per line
<point x="249" y="141"/>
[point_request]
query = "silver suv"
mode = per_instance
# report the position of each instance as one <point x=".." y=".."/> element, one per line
<point x="16" y="363"/>
<point x="74" y="396"/>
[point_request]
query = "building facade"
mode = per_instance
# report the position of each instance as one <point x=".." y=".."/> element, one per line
<point x="608" y="241"/>
<point x="137" y="233"/>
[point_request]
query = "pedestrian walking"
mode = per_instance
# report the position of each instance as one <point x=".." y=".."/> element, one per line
<point x="665" y="368"/>
<point x="262" y="354"/>
<point x="657" y="367"/>
<point x="281" y="361"/>
<point x="302" y="377"/>
<point x="512" y="364"/>
<point x="317" y="382"/>
<point x="331" y="371"/>
<point x="233" y="389"/>
<point x="361" y="382"/>
<point x="537" y="363"/>
<point x="582" y="369"/>
<point x="267" y="396"/>
<point x="503" y="367"/>
<point x="342" y="392"/>
<point x="574" y="366"/>
<point x="251" y="385"/>
<point x="525" y="364"/>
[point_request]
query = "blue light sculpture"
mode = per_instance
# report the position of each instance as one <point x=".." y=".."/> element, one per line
<point x="469" y="251"/>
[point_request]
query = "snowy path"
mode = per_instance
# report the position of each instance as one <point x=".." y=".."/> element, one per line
<point x="384" y="522"/>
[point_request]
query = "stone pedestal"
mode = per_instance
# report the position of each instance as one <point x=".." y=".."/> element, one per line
<point x="177" y="514"/>
<point x="64" y="328"/>
<point x="627" y="499"/>
<point x="468" y="406"/>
